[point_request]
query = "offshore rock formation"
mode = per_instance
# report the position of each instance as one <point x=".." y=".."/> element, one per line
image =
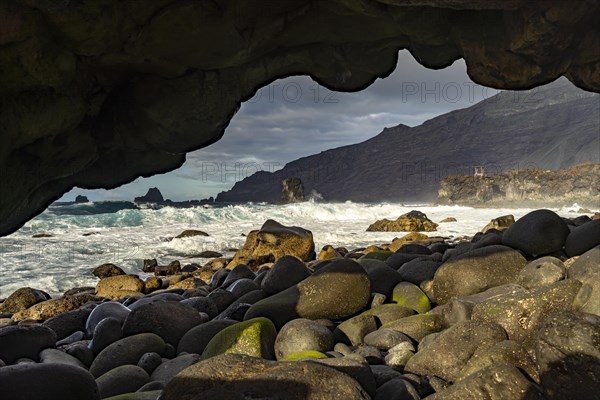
<point x="578" y="184"/>
<point x="292" y="190"/>
<point x="152" y="196"/>
<point x="96" y="94"/>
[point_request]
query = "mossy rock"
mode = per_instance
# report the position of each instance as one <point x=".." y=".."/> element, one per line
<point x="380" y="255"/>
<point x="411" y="296"/>
<point x="301" y="355"/>
<point x="255" y="337"/>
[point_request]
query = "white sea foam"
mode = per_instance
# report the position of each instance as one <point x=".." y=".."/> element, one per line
<point x="126" y="237"/>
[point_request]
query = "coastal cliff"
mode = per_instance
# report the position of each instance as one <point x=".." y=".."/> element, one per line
<point x="578" y="184"/>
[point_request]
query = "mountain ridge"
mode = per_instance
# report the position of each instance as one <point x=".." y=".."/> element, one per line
<point x="553" y="126"/>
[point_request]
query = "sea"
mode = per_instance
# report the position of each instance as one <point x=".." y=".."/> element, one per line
<point x="83" y="236"/>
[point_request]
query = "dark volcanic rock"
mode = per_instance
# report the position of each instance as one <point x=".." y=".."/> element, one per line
<point x="152" y="196"/>
<point x="539" y="232"/>
<point x="235" y="376"/>
<point x="583" y="238"/>
<point x="48" y="382"/>
<point x="123" y="379"/>
<point x="128" y="350"/>
<point x="170" y="320"/>
<point x="292" y="190"/>
<point x="449" y="353"/>
<point x="69" y="322"/>
<point x="568" y="354"/>
<point x="476" y="271"/>
<point x="81" y="199"/>
<point x="285" y="273"/>
<point x="499" y="381"/>
<point x="196" y="339"/>
<point x="19" y="341"/>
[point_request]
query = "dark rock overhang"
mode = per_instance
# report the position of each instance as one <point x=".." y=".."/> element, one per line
<point x="95" y="93"/>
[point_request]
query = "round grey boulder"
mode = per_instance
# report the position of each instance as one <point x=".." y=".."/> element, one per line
<point x="302" y="335"/>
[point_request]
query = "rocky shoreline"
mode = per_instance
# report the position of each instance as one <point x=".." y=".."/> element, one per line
<point x="512" y="313"/>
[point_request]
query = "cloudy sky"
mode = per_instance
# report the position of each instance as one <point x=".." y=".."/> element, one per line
<point x="294" y="117"/>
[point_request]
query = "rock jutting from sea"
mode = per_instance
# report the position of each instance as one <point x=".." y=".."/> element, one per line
<point x="507" y="314"/>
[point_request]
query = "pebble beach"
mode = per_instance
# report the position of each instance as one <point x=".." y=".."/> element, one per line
<point x="511" y="311"/>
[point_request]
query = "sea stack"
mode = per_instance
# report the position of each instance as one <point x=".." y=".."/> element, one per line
<point x="153" y="196"/>
<point x="292" y="190"/>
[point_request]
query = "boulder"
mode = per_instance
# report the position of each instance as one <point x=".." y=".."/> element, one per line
<point x="110" y="309"/>
<point x="417" y="326"/>
<point x="107" y="270"/>
<point x="196" y="339"/>
<point x="123" y="379"/>
<point x="254" y="337"/>
<point x="353" y="331"/>
<point x="476" y="271"/>
<point x="21" y="299"/>
<point x="411" y="296"/>
<point x="385" y="339"/>
<point x="48" y="382"/>
<point x="383" y="277"/>
<point x="292" y="190"/>
<point x="106" y="332"/>
<point x="389" y="312"/>
<point x="542" y="272"/>
<point x="191" y="233"/>
<point x="499" y="381"/>
<point x="408" y="238"/>
<point x="272" y="242"/>
<point x="285" y="273"/>
<point x="54" y="356"/>
<point x="169" y="320"/>
<point x="69" y="322"/>
<point x="568" y="355"/>
<point x="397" y="389"/>
<point x="18" y="341"/>
<point x="413" y="221"/>
<point x="128" y="350"/>
<point x="508" y="351"/>
<point x="448" y="354"/>
<point x="357" y="370"/>
<point x="418" y="271"/>
<point x="168" y="369"/>
<point x="522" y="314"/>
<point x="328" y="252"/>
<point x="202" y="304"/>
<point x="335" y="291"/>
<point x="50" y="308"/>
<point x="236" y="376"/>
<point x="583" y="238"/>
<point x="240" y="271"/>
<point x="500" y="224"/>
<point x="81" y="199"/>
<point x="538" y="232"/>
<point x="302" y="335"/>
<point x="116" y="287"/>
